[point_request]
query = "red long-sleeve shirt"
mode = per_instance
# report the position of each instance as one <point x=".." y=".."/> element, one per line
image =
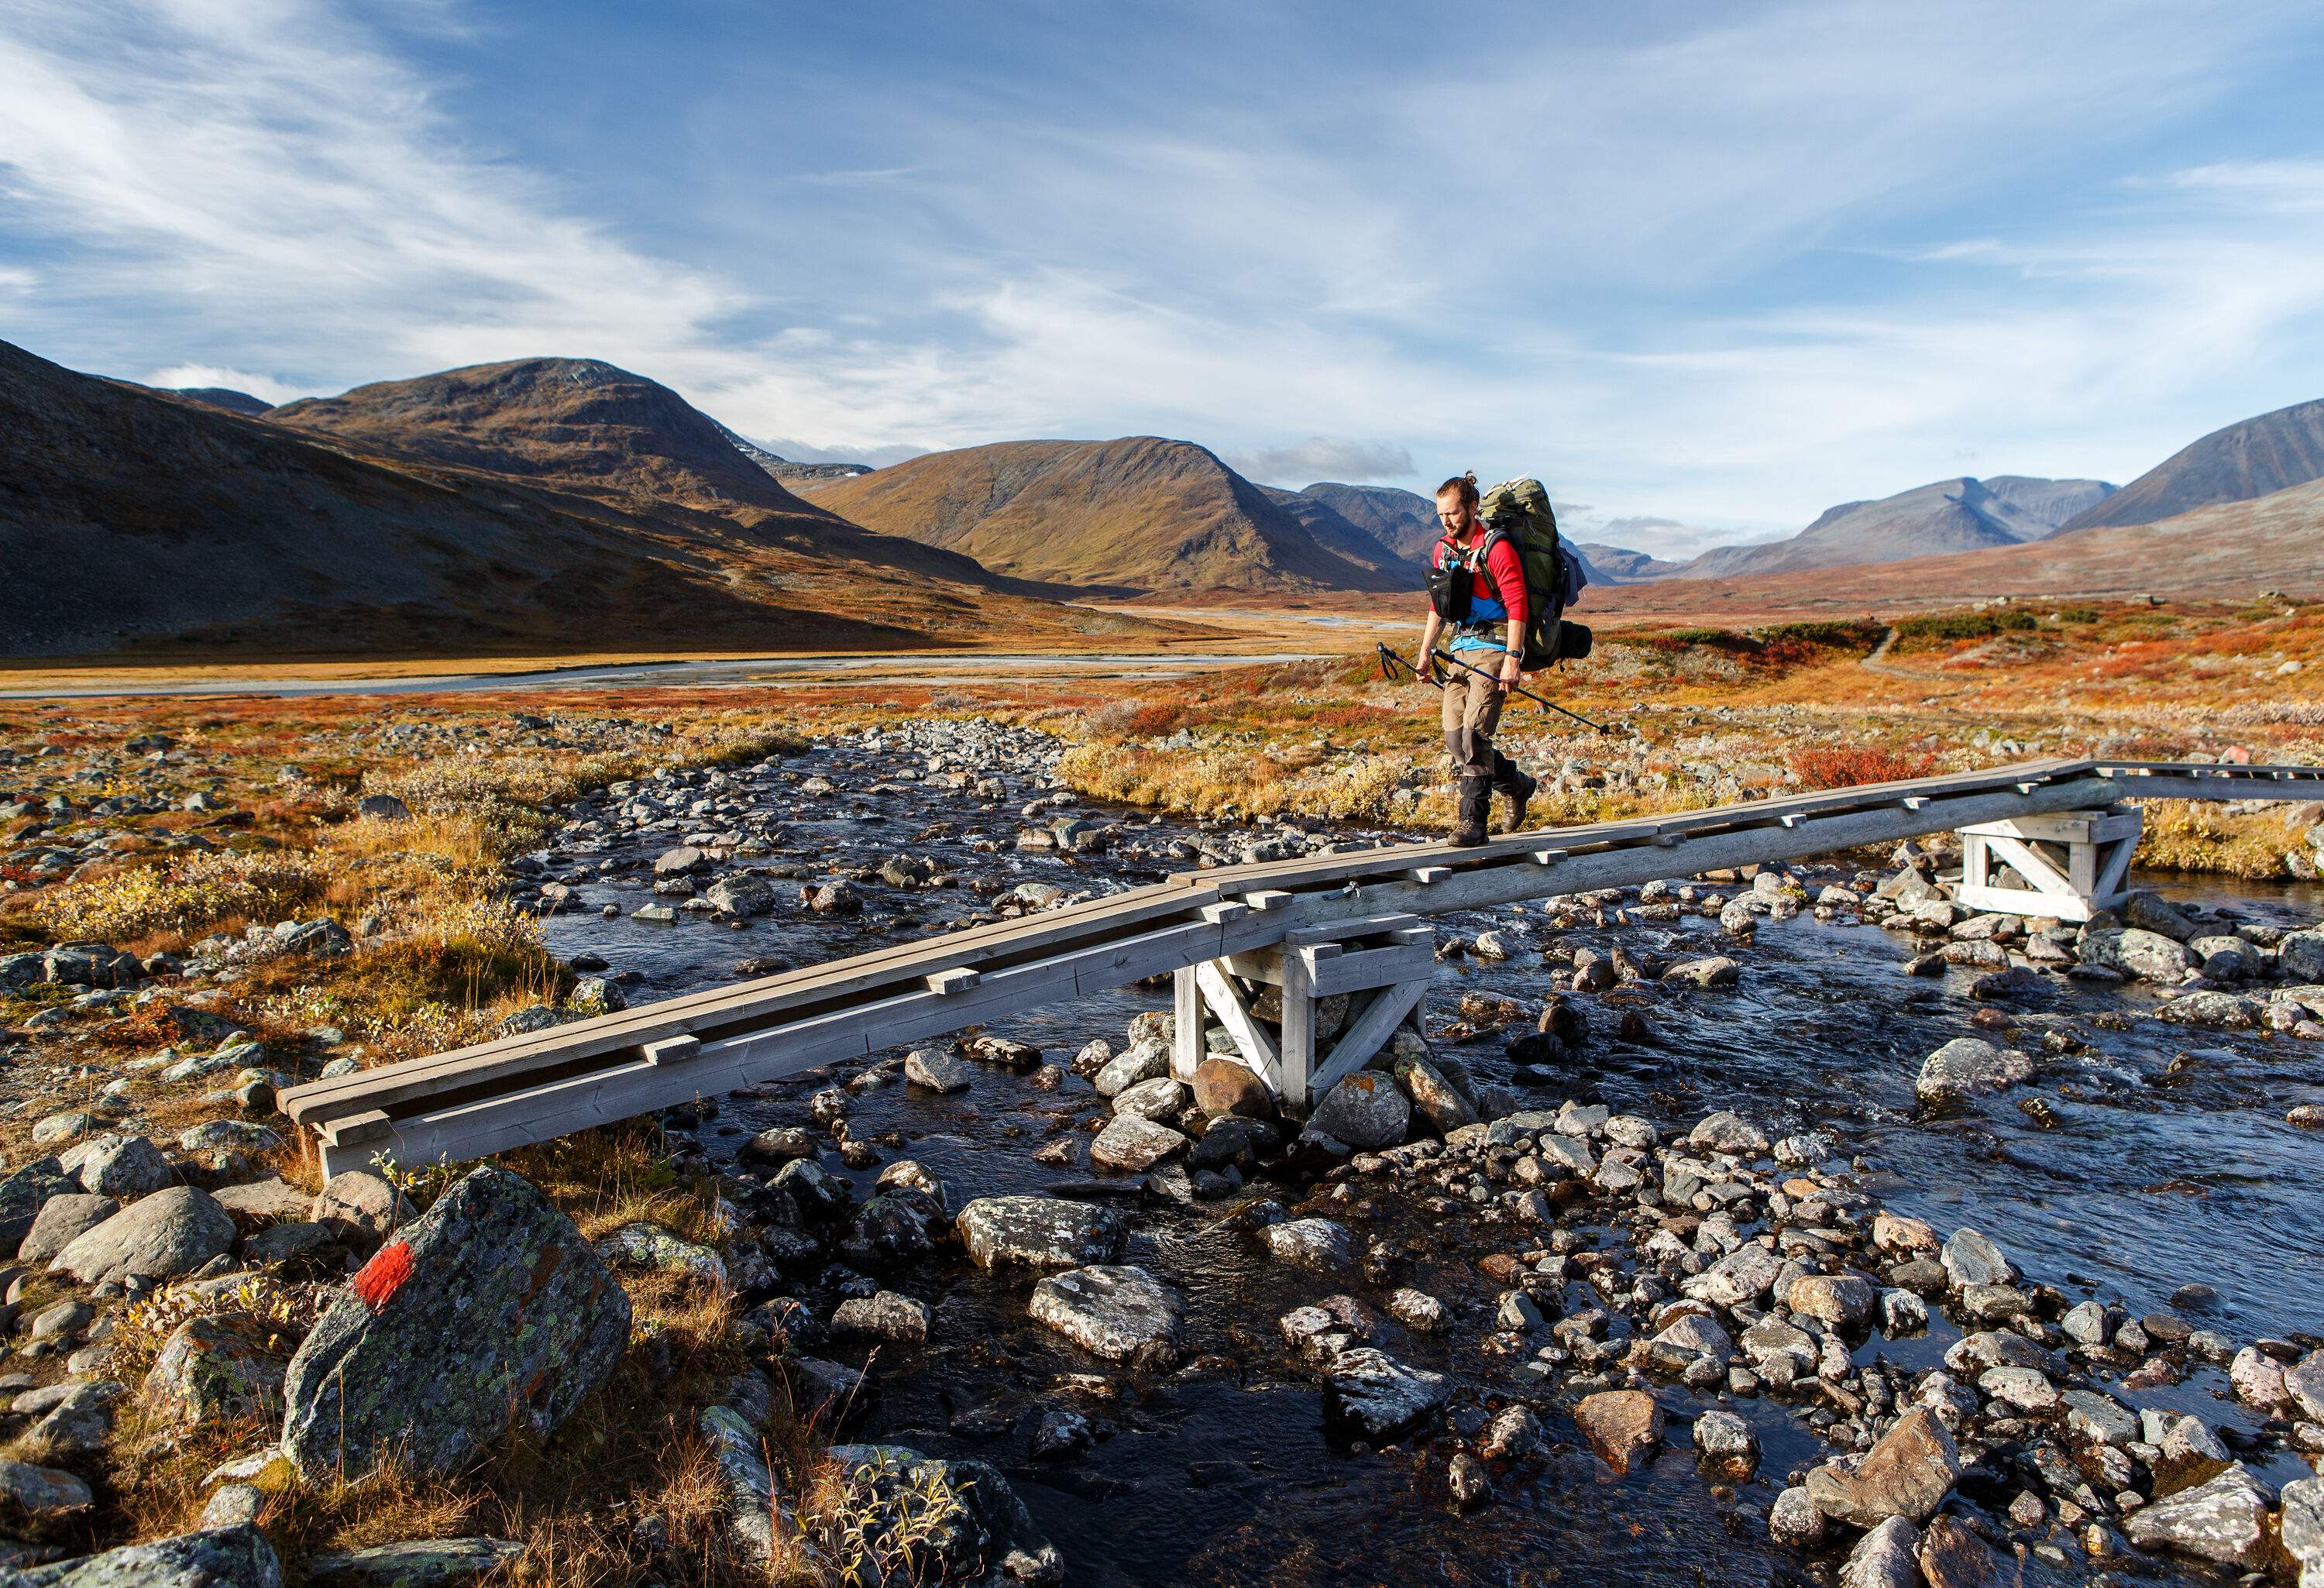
<point x="1496" y="591"/>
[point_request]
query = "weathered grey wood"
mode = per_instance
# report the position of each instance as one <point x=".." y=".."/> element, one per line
<point x="1250" y="1039"/>
<point x="1185" y="1025"/>
<point x="505" y="1059"/>
<point x="1372" y="967"/>
<point x="1363" y="1036"/>
<point x="673" y="1050"/>
<point x="1297" y="1055"/>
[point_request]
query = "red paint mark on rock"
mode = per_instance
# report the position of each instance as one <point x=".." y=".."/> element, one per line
<point x="384" y="1274"/>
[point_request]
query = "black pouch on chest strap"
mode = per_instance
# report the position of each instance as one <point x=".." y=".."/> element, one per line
<point x="1449" y="590"/>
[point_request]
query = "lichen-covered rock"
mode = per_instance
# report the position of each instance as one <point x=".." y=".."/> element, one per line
<point x="643" y="1245"/>
<point x="1366" y="1111"/>
<point x="1622" y="1426"/>
<point x="1884" y="1557"/>
<point x="982" y="1535"/>
<point x="1967" y="1067"/>
<point x="1118" y="1312"/>
<point x="360" y="1206"/>
<point x="123" y="1167"/>
<point x="216" y="1370"/>
<point x="1439" y="1105"/>
<point x="220" y="1557"/>
<point x="63" y="1219"/>
<point x="2149" y="956"/>
<point x="1369" y="1393"/>
<point x="2222" y="1520"/>
<point x="487" y="1308"/>
<point x="39" y="1494"/>
<point x="1908" y="1473"/>
<point x="1133" y="1143"/>
<point x="23" y="1194"/>
<point x="416" y="1562"/>
<point x="1040" y="1233"/>
<point x="157" y="1237"/>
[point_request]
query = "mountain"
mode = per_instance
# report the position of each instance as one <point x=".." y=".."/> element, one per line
<point x="227" y="398"/>
<point x="1402" y="520"/>
<point x="2229" y="550"/>
<point x="577" y="424"/>
<point x="1134" y="516"/>
<point x="133" y="521"/>
<point x="1959" y="514"/>
<point x="1335" y="533"/>
<point x="783" y="468"/>
<point x="1618" y="565"/>
<point x="2255" y="459"/>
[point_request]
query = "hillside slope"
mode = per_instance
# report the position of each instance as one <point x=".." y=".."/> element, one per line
<point x="136" y="523"/>
<point x="1959" y="514"/>
<point x="1335" y="533"/>
<point x="2253" y="458"/>
<point x="1402" y="520"/>
<point x="1135" y="516"/>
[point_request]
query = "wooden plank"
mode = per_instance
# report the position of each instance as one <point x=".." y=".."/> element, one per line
<point x="710" y="1012"/>
<point x="1297" y="1053"/>
<point x="1258" y="1048"/>
<point x="1185" y="1025"/>
<point x="1339" y="934"/>
<point x="1362" y="1037"/>
<point x="959" y="979"/>
<point x="1372" y="967"/>
<point x="673" y="1050"/>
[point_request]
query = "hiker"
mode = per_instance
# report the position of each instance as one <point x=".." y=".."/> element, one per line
<point x="1488" y="630"/>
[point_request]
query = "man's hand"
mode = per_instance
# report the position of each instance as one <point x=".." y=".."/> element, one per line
<point x="1424" y="674"/>
<point x="1511" y="672"/>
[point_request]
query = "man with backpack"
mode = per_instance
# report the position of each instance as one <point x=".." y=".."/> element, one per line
<point x="1479" y="599"/>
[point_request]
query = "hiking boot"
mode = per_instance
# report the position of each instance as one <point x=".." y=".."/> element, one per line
<point x="1519" y="793"/>
<point x="1476" y="805"/>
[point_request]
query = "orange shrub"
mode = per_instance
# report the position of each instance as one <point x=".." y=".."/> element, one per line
<point x="1843" y="766"/>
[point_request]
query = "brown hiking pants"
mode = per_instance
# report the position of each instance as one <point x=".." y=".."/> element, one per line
<point x="1472" y="710"/>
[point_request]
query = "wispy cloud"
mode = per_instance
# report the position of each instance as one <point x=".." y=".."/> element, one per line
<point x="1716" y="274"/>
<point x="178" y="376"/>
<point x="1320" y="457"/>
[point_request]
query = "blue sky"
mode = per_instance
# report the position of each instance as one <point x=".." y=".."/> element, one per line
<point x="1705" y="269"/>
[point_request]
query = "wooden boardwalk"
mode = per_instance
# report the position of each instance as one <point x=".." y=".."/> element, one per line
<point x="518" y="1090"/>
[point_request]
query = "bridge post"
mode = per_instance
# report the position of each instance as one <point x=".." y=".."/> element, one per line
<point x="2073" y="864"/>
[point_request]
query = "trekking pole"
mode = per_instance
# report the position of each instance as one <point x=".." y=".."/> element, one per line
<point x="1390" y="661"/>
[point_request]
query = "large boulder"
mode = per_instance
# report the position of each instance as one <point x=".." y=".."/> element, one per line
<point x="2149" y="956"/>
<point x="1439" y="1105"/>
<point x="1367" y="1393"/>
<point x="1967" y="1066"/>
<point x="488" y="1309"/>
<point x="157" y="1237"/>
<point x="1121" y="1313"/>
<point x="215" y="1371"/>
<point x="1622" y="1426"/>
<point x="1366" y="1111"/>
<point x="63" y="1219"/>
<point x="2223" y="1521"/>
<point x="219" y="1557"/>
<point x="23" y="1194"/>
<point x="1040" y="1233"/>
<point x="1908" y="1473"/>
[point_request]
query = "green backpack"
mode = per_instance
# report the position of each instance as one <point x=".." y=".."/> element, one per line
<point x="1519" y="511"/>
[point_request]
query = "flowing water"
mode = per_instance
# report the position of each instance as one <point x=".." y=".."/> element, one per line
<point x="2165" y="1158"/>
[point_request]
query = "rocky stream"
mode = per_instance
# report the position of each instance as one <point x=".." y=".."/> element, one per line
<point x="1781" y="1227"/>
